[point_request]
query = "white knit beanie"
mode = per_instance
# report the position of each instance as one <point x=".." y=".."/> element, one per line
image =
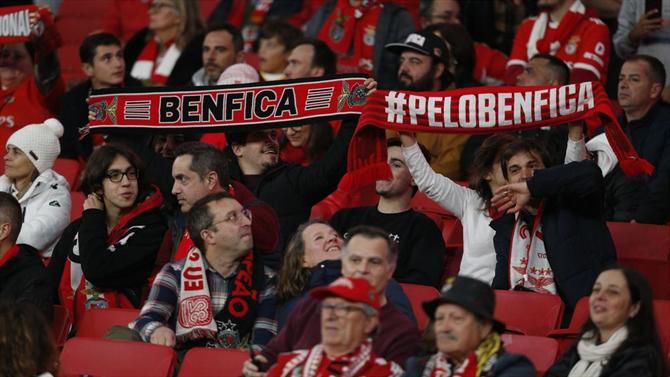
<point x="240" y="73"/>
<point x="39" y="142"/>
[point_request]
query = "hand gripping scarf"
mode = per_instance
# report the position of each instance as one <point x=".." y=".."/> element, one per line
<point x="305" y="101"/>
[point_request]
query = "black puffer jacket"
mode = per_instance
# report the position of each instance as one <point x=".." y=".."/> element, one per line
<point x="23" y="278"/>
<point x="642" y="361"/>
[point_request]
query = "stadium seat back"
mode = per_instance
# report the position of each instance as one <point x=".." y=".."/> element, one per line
<point x="213" y="362"/>
<point x="566" y="337"/>
<point x="60" y="325"/>
<point x="96" y="322"/>
<point x="662" y="312"/>
<point x="69" y="169"/>
<point x="651" y="257"/>
<point x="541" y="351"/>
<point x="77" y="198"/>
<point x="529" y="313"/>
<point x="417" y="295"/>
<point x="118" y="358"/>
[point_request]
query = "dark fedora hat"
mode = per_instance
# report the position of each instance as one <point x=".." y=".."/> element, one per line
<point x="471" y="294"/>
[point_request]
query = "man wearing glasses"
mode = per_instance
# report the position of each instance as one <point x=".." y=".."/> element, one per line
<point x="349" y="318"/>
<point x="220" y="295"/>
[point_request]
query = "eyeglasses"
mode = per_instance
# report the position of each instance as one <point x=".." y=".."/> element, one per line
<point x="116" y="176"/>
<point x="235" y="217"/>
<point x="340" y="310"/>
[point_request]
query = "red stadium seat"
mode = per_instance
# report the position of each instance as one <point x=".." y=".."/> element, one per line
<point x="100" y="357"/>
<point x="417" y="295"/>
<point x="344" y="197"/>
<point x="96" y="322"/>
<point x="60" y="325"/>
<point x="69" y="169"/>
<point x="213" y="362"/>
<point x="77" y="208"/>
<point x="566" y="337"/>
<point x="662" y="312"/>
<point x="651" y="257"/>
<point x="540" y="350"/>
<point x="529" y="313"/>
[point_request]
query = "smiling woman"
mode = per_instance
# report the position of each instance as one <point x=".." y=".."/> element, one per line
<point x="620" y="338"/>
<point x="105" y="258"/>
<point x="306" y="265"/>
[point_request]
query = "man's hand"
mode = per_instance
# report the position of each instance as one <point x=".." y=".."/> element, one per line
<point x="576" y="131"/>
<point x="370" y="85"/>
<point x="649" y="23"/>
<point x="511" y="198"/>
<point x="163" y="336"/>
<point x="250" y="367"/>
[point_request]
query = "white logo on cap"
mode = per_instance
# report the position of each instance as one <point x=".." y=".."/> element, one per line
<point x="416" y="39"/>
<point x="343" y="282"/>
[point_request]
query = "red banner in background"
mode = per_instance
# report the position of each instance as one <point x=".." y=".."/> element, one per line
<point x="15" y="23"/>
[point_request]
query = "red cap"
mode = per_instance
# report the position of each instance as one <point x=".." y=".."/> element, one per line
<point x="350" y="289"/>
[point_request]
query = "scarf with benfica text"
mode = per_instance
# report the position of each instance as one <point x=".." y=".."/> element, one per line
<point x="20" y="24"/>
<point x="305" y="101"/>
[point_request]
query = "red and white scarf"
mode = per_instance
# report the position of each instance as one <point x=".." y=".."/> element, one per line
<point x="195" y="318"/>
<point x="547" y="37"/>
<point x="304" y="101"/>
<point x="25" y="23"/>
<point x="149" y="67"/>
<point x="350" y="32"/>
<point x="528" y="262"/>
<point x="315" y="363"/>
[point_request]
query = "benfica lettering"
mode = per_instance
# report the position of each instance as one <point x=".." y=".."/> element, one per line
<point x="194" y="274"/>
<point x="15" y="24"/>
<point x="222" y="107"/>
<point x="488" y="110"/>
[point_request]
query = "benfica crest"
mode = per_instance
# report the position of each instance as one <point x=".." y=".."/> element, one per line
<point x="356" y="96"/>
<point x="103" y="110"/>
<point x="228" y="335"/>
<point x="336" y="30"/>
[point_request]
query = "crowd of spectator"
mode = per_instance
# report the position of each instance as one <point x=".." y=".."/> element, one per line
<point x="210" y="236"/>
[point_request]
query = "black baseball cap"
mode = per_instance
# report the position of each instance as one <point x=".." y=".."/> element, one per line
<point x="423" y="42"/>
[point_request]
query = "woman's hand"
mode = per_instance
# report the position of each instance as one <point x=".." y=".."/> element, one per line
<point x="511" y="198"/>
<point x="407" y="138"/>
<point x="94" y="201"/>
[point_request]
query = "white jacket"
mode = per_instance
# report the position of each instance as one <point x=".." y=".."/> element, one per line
<point x="46" y="210"/>
<point x="479" y="257"/>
